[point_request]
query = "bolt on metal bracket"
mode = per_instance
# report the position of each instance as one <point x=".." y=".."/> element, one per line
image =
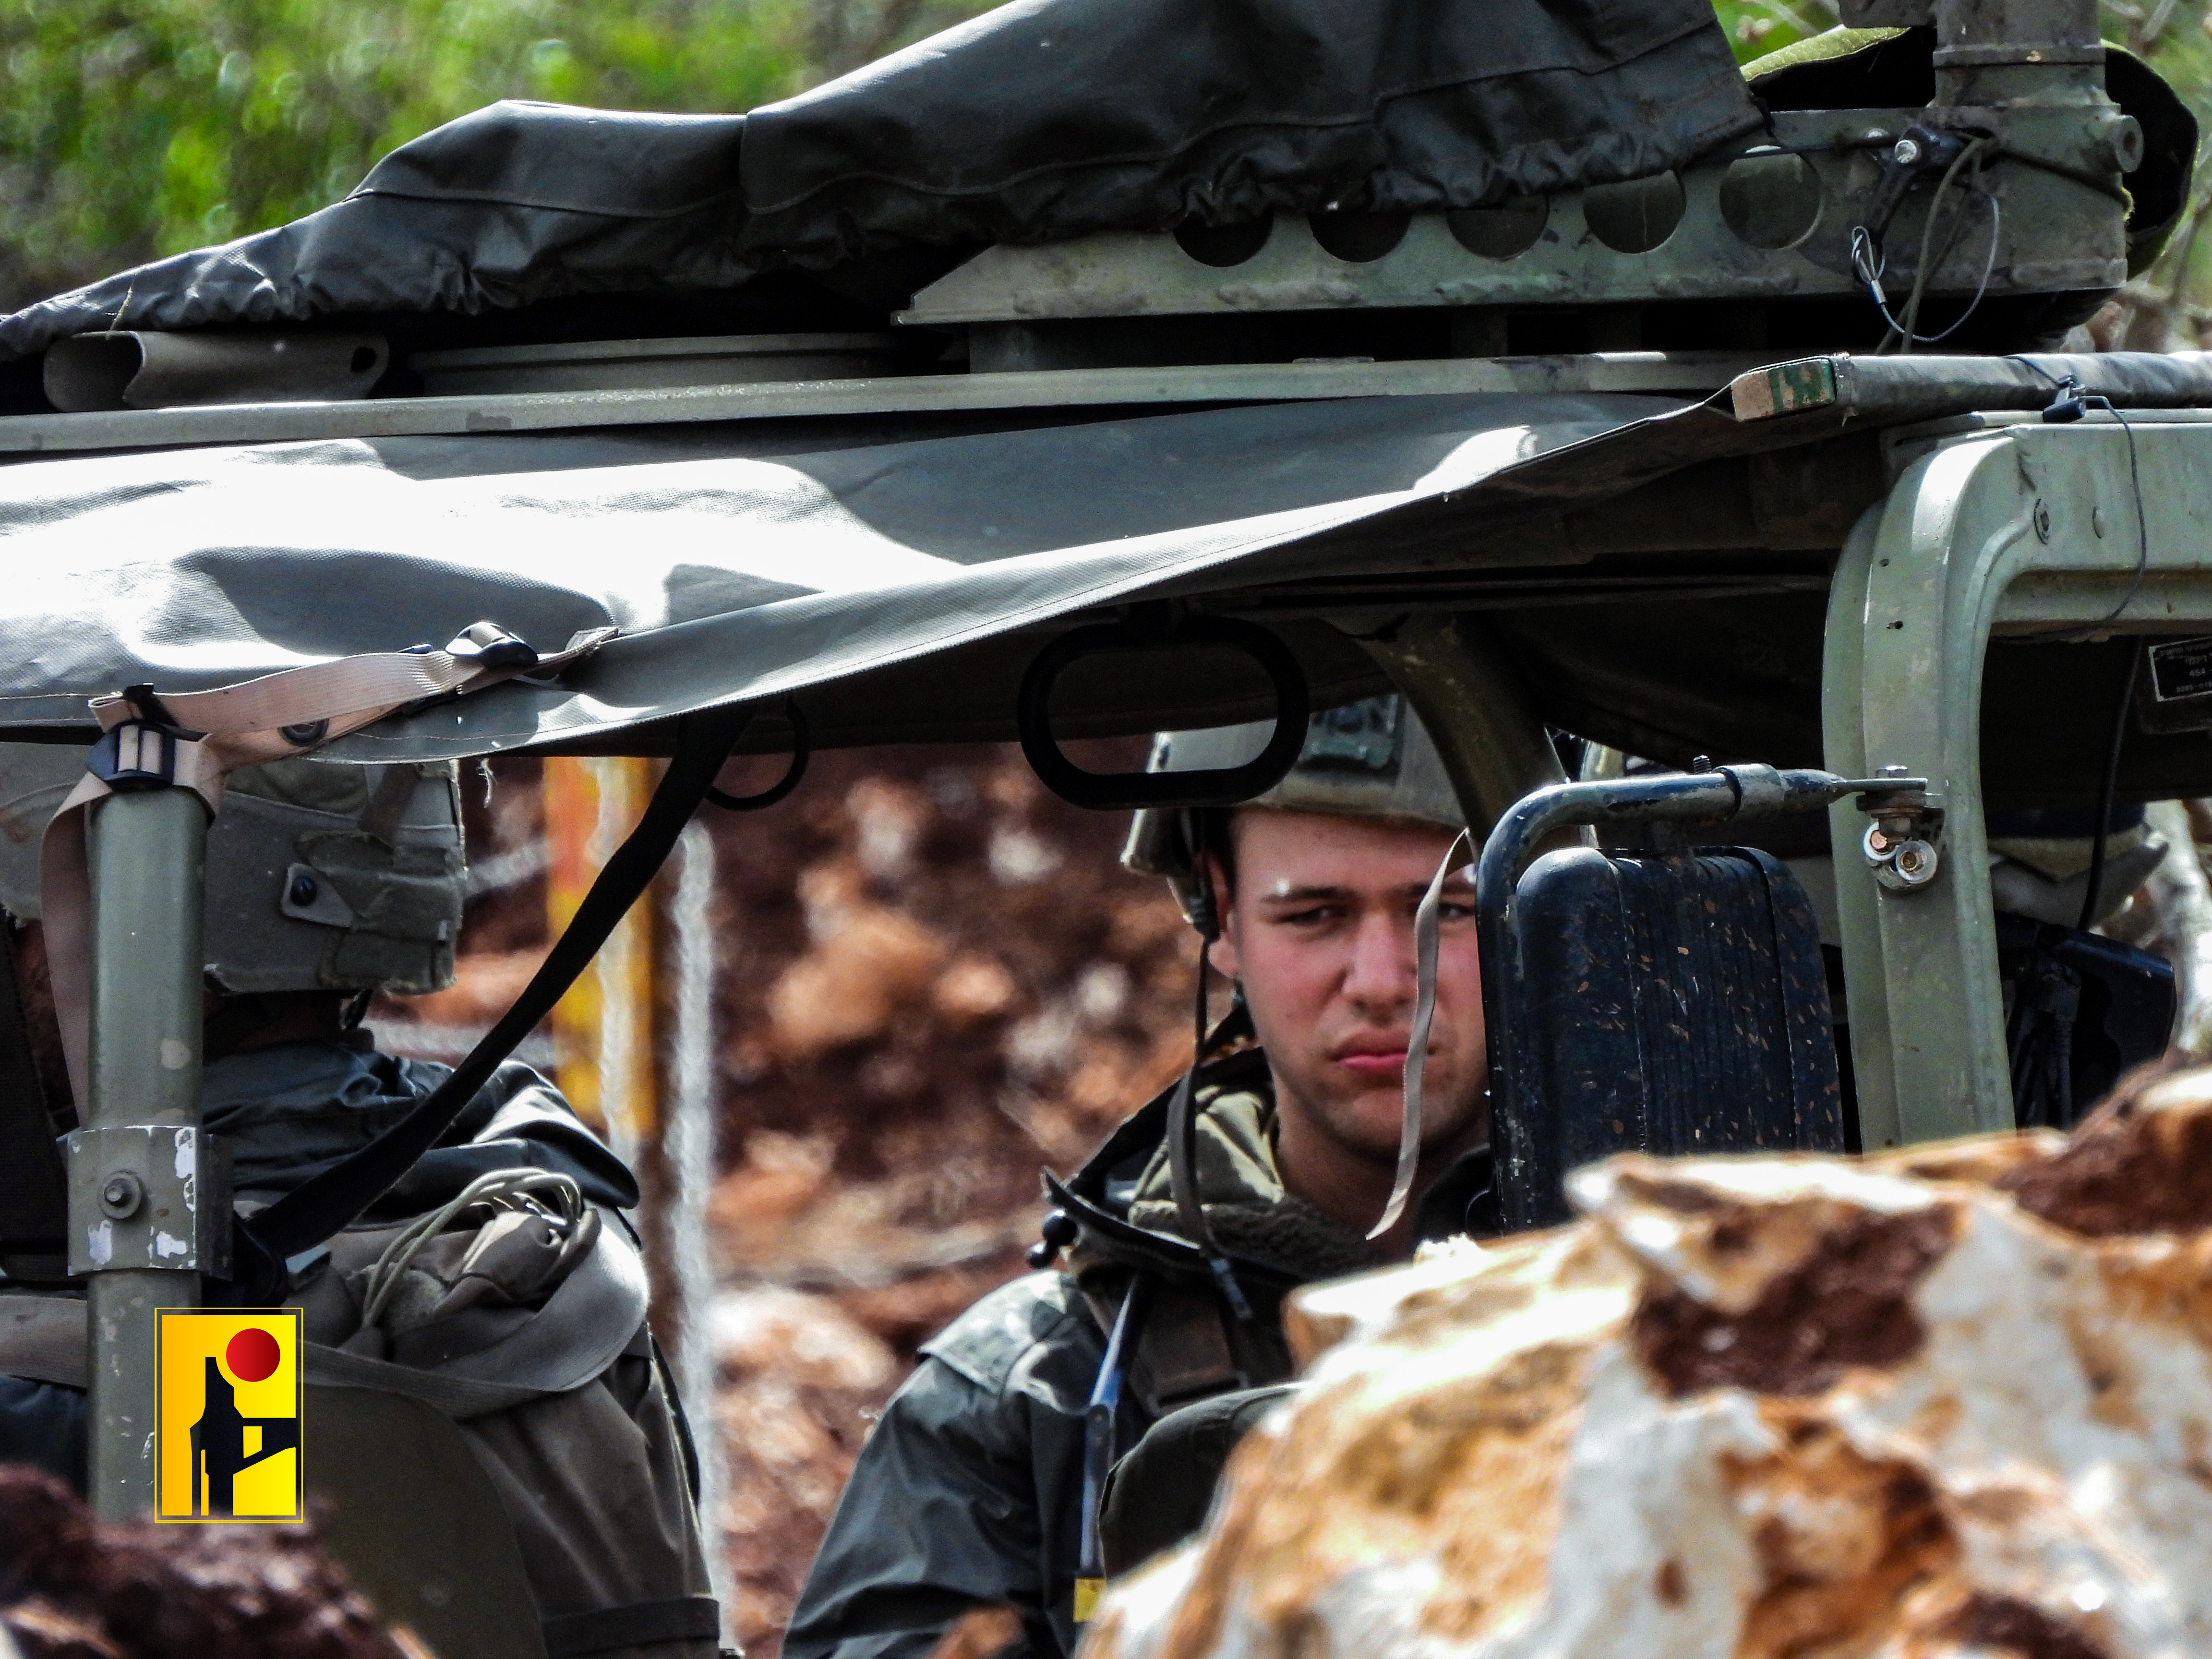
<point x="1900" y="844"/>
<point x="149" y="1195"/>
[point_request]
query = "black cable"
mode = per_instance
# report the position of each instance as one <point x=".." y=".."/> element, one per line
<point x="1869" y="260"/>
<point x="1925" y="267"/>
<point x="2070" y="403"/>
<point x="2142" y="520"/>
<point x="2108" y="789"/>
<point x="1182" y="1108"/>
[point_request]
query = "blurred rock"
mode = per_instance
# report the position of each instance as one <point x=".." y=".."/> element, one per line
<point x="874" y="964"/>
<point x="74" y="1588"/>
<point x="485" y="985"/>
<point x="975" y="988"/>
<point x="803" y="1377"/>
<point x="1944" y="1403"/>
<point x="808" y="1340"/>
<point x="980" y="1633"/>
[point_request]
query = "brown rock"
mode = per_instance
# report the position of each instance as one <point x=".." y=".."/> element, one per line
<point x="873" y="965"/>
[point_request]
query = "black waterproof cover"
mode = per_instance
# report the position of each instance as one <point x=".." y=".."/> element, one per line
<point x="1042" y="120"/>
<point x="1668" y="1005"/>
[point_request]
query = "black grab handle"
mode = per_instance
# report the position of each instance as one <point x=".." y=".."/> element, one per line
<point x="802" y="750"/>
<point x="1228" y="785"/>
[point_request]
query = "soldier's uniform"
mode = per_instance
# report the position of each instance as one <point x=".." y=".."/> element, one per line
<point x="520" y="1318"/>
<point x="970" y="1489"/>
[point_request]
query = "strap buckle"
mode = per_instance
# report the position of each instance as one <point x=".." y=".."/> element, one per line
<point x="492" y="648"/>
<point x="140" y="753"/>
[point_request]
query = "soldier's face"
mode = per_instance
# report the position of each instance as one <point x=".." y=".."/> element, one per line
<point x="1319" y="926"/>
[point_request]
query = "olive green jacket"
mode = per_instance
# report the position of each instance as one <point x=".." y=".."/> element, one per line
<point x="969" y="1490"/>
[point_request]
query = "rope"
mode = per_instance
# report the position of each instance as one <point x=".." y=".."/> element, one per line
<point x="496" y="1189"/>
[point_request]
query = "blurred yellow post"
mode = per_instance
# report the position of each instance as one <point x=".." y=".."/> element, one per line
<point x="603" y="1040"/>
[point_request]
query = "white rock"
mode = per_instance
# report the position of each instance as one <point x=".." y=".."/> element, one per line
<point x="1955" y="1403"/>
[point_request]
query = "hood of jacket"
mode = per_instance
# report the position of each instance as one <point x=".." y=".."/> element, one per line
<point x="292" y="1110"/>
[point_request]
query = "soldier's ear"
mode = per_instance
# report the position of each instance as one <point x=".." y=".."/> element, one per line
<point x="1221" y="944"/>
<point x="1215" y="893"/>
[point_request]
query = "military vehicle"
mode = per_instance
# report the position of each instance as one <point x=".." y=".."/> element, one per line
<point x="1098" y="368"/>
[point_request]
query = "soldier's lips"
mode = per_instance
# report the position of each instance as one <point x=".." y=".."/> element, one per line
<point x="1375" y="1063"/>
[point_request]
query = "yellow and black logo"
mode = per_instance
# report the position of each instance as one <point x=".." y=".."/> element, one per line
<point x="229" y="1439"/>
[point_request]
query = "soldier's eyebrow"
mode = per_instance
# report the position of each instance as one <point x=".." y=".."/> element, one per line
<point x="1284" y="893"/>
<point x="1459" y="884"/>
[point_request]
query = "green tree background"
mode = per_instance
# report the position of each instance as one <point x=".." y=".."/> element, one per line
<point x="130" y="129"/>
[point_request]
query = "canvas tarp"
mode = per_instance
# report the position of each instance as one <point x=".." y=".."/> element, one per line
<point x="733" y="574"/>
<point x="1042" y="120"/>
<point x="901" y="586"/>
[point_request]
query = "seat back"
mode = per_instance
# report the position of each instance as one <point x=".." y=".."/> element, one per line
<point x="1665" y="1004"/>
<point x="402" y="1503"/>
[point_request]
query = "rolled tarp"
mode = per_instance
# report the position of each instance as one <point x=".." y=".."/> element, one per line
<point x="1042" y="120"/>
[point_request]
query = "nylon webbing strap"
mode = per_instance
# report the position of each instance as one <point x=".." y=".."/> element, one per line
<point x="313" y="1212"/>
<point x="1183" y="1157"/>
<point x="639" y="1623"/>
<point x="1428" y="921"/>
<point x="250" y="719"/>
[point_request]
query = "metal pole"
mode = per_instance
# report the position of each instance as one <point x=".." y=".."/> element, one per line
<point x="147" y="857"/>
<point x="691" y="1149"/>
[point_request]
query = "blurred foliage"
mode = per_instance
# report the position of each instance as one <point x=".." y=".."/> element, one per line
<point x="130" y="129"/>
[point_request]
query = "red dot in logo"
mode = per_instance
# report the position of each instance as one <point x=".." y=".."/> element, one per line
<point x="253" y="1355"/>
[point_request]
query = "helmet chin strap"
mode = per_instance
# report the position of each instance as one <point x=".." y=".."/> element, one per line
<point x="1182" y="1116"/>
<point x="1427" y="920"/>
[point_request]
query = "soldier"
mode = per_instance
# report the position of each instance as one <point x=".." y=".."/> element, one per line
<point x="519" y="1312"/>
<point x="975" y="1489"/>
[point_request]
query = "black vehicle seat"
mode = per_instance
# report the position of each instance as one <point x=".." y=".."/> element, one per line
<point x="1669" y="1003"/>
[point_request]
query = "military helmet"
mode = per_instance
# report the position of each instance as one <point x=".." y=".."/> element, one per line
<point x="1370" y="759"/>
<point x="320" y="876"/>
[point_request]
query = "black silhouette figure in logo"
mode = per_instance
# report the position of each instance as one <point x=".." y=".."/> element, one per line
<point x="219" y="1453"/>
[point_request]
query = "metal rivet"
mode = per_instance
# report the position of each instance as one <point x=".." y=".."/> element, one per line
<point x="1908" y="866"/>
<point x="306" y="733"/>
<point x="305" y="889"/>
<point x="121" y="1194"/>
<point x="2042" y="521"/>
